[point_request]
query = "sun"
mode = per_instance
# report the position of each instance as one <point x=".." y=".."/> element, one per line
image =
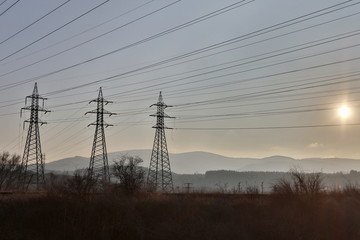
<point x="344" y="111"/>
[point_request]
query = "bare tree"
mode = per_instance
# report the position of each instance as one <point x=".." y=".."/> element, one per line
<point x="130" y="175"/>
<point x="10" y="168"/>
<point x="283" y="186"/>
<point x="222" y="188"/>
<point x="252" y="190"/>
<point x="82" y="183"/>
<point x="309" y="184"/>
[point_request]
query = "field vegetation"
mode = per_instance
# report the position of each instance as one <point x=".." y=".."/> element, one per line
<point x="299" y="207"/>
<point x="180" y="216"/>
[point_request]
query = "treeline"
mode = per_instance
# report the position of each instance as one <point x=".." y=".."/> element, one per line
<point x="129" y="176"/>
<point x="232" y="181"/>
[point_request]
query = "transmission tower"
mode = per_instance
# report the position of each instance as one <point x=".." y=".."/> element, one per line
<point x="33" y="160"/>
<point x="159" y="176"/>
<point x="99" y="166"/>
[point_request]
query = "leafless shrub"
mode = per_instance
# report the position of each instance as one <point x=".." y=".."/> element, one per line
<point x="309" y="184"/>
<point x="130" y="175"/>
<point x="253" y="190"/>
<point x="351" y="189"/>
<point x="222" y="187"/>
<point x="81" y="184"/>
<point x="10" y="168"/>
<point x="283" y="186"/>
<point x="55" y="184"/>
<point x="314" y="183"/>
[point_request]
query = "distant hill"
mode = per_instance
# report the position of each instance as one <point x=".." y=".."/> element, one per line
<point x="200" y="162"/>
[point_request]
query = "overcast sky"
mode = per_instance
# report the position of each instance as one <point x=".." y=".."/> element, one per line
<point x="273" y="71"/>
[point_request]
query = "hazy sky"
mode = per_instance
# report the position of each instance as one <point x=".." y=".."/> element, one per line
<point x="252" y="66"/>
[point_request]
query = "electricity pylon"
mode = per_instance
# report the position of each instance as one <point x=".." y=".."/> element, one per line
<point x="99" y="166"/>
<point x="159" y="176"/>
<point x="33" y="160"/>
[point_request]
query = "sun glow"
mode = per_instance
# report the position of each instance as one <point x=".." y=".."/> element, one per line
<point x="344" y="111"/>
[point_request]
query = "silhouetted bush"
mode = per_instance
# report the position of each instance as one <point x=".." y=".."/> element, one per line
<point x="55" y="184"/>
<point x="252" y="190"/>
<point x="130" y="175"/>
<point x="10" y="169"/>
<point x="81" y="184"/>
<point x="299" y="183"/>
<point x="351" y="190"/>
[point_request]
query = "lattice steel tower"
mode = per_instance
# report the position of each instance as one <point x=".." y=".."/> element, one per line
<point x="99" y="166"/>
<point x="33" y="160"/>
<point x="159" y="176"/>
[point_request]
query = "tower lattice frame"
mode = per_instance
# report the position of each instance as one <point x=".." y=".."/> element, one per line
<point x="99" y="165"/>
<point x="159" y="175"/>
<point x="33" y="160"/>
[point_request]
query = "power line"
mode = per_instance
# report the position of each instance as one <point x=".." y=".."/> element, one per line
<point x="229" y="83"/>
<point x="278" y="74"/>
<point x="176" y="93"/>
<point x="80" y="33"/>
<point x="333" y="77"/>
<point x="269" y="112"/>
<point x="36" y="21"/>
<point x="247" y="34"/>
<point x="54" y="31"/>
<point x="275" y="27"/>
<point x="254" y="94"/>
<point x="260" y="41"/>
<point x="257" y="114"/>
<point x="87" y="41"/>
<point x="271" y="127"/>
<point x="317" y="43"/>
<point x="179" y="27"/>
<point x="342" y="36"/>
<point x="259" y="32"/>
<point x="208" y="48"/>
<point x="63" y="130"/>
<point x="12" y="5"/>
<point x="138" y="69"/>
<point x="268" y="102"/>
<point x="242" y="71"/>
<point x="69" y="141"/>
<point x="179" y="128"/>
<point x="250" y="44"/>
<point x="235" y="73"/>
<point x="3" y="2"/>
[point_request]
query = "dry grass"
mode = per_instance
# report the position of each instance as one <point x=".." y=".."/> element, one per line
<point x="182" y="216"/>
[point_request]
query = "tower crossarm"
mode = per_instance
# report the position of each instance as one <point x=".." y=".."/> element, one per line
<point x="163" y="115"/>
<point x="31" y="121"/>
<point x="101" y="100"/>
<point x="161" y="127"/>
<point x="104" y="112"/>
<point x="39" y="109"/>
<point x="160" y="104"/>
<point x="103" y="124"/>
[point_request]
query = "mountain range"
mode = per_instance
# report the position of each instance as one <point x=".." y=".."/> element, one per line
<point x="200" y="162"/>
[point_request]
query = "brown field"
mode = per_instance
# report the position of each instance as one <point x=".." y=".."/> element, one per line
<point x="179" y="216"/>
